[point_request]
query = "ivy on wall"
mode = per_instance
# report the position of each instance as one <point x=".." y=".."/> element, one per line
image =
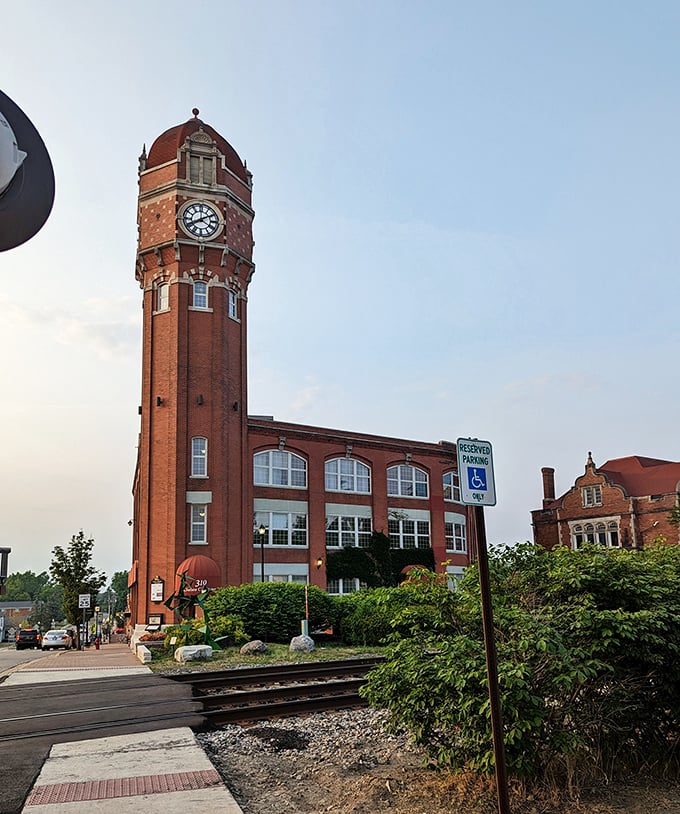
<point x="378" y="565"/>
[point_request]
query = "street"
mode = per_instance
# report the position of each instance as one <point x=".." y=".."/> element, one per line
<point x="10" y="656"/>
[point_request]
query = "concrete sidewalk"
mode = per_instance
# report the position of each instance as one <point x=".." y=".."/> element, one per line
<point x="67" y="665"/>
<point x="164" y="771"/>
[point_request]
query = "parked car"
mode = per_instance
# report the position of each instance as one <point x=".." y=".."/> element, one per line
<point x="27" y="638"/>
<point x="57" y="638"/>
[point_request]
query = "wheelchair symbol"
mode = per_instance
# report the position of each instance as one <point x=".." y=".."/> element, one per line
<point x="477" y="479"/>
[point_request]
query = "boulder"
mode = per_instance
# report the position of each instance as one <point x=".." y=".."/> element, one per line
<point x="254" y="648"/>
<point x="301" y="644"/>
<point x="194" y="652"/>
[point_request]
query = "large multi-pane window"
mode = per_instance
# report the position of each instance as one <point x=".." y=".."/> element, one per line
<point x="603" y="533"/>
<point x="452" y="487"/>
<point x="348" y="531"/>
<point x="162" y="297"/>
<point x="455" y="537"/>
<point x="199" y="523"/>
<point x="406" y="481"/>
<point x="281" y="578"/>
<point x="200" y="294"/>
<point x="343" y="586"/>
<point x="281" y="528"/>
<point x="199" y="457"/>
<point x="591" y="496"/>
<point x="405" y="533"/>
<point x="347" y="475"/>
<point x="277" y="468"/>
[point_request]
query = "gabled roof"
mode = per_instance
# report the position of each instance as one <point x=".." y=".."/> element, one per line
<point x="643" y="476"/>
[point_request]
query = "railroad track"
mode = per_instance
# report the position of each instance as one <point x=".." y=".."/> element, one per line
<point x="254" y="693"/>
<point x="257" y="693"/>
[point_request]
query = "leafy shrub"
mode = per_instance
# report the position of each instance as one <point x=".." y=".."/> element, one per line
<point x="588" y="649"/>
<point x="272" y="611"/>
<point x="368" y="617"/>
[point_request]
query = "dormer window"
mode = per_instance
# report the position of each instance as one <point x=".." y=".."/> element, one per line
<point x="201" y="169"/>
<point x="591" y="496"/>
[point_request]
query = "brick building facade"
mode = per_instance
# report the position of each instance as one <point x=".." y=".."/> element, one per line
<point x="245" y="497"/>
<point x="625" y="503"/>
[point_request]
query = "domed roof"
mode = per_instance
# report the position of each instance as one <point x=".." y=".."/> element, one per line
<point x="166" y="145"/>
<point x="202" y="573"/>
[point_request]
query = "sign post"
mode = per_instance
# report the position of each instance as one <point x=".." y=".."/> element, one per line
<point x="478" y="489"/>
<point x="84" y="603"/>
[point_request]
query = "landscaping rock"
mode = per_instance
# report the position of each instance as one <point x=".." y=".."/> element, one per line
<point x="194" y="652"/>
<point x="254" y="648"/>
<point x="301" y="644"/>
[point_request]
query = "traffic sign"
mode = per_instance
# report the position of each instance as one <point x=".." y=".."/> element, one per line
<point x="475" y="472"/>
<point x="83" y="600"/>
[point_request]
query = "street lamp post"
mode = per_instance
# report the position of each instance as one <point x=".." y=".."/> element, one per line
<point x="262" y="531"/>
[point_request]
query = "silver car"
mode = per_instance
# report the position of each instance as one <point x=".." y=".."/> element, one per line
<point x="57" y="638"/>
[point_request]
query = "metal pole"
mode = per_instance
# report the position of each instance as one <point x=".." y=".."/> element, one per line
<point x="261" y="557"/>
<point x="491" y="662"/>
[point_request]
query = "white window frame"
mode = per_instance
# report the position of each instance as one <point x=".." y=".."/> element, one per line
<point x="591" y="496"/>
<point x="232" y="298"/>
<point x="405" y="480"/>
<point x="198" y="532"/>
<point x="162" y="297"/>
<point x="274" y="467"/>
<point x="456" y="537"/>
<point x="199" y="457"/>
<point x="355" y="475"/>
<point x="402" y="529"/>
<point x="350" y="531"/>
<point x="343" y="586"/>
<point x="282" y="529"/>
<point x="451" y="484"/>
<point x="602" y="531"/>
<point x="200" y="293"/>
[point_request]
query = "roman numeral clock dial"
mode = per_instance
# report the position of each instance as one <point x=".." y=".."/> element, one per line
<point x="200" y="220"/>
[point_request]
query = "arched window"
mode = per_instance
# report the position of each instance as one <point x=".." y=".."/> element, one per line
<point x="347" y="475"/>
<point x="406" y="481"/>
<point x="200" y="294"/>
<point x="452" y="487"/>
<point x="162" y="297"/>
<point x="277" y="468"/>
<point x="199" y="457"/>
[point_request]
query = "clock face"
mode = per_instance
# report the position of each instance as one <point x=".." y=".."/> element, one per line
<point x="200" y="220"/>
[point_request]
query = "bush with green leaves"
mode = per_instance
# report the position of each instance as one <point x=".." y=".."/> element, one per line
<point x="367" y="617"/>
<point x="273" y="611"/>
<point x="588" y="647"/>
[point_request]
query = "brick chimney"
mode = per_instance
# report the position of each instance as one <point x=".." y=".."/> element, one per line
<point x="548" y="474"/>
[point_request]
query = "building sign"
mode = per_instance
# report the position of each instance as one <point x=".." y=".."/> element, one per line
<point x="157" y="586"/>
<point x="475" y="472"/>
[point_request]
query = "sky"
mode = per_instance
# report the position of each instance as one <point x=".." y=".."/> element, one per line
<point x="466" y="226"/>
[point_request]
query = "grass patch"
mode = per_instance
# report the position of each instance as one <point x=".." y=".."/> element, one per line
<point x="163" y="660"/>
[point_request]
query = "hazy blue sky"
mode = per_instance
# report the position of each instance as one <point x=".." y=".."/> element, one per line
<point x="466" y="225"/>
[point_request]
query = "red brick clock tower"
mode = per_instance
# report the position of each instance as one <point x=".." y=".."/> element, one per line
<point x="194" y="264"/>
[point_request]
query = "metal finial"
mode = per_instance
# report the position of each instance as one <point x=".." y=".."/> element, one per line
<point x="195" y="111"/>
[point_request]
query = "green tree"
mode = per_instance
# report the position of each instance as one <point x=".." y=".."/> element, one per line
<point x="72" y="569"/>
<point x="48" y="608"/>
<point x="119" y="584"/>
<point x="25" y="585"/>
